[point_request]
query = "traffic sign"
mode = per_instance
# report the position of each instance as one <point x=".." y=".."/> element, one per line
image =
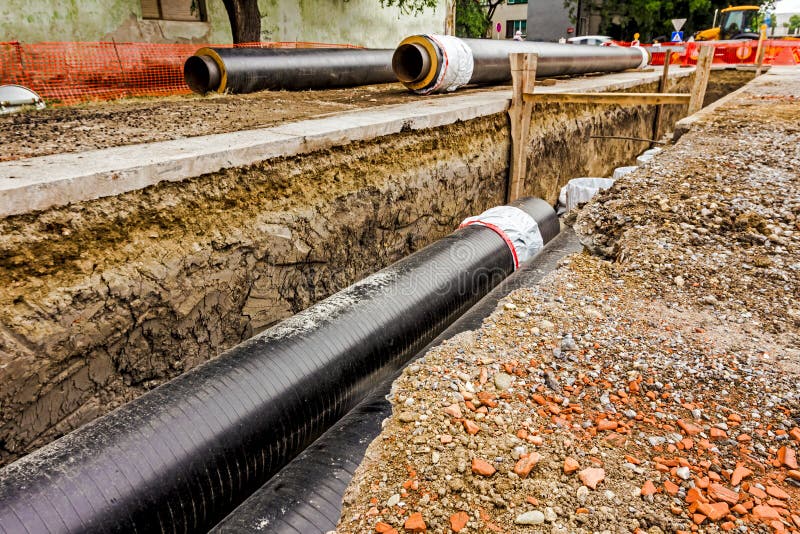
<point x="678" y="24"/>
<point x="676" y="37"/>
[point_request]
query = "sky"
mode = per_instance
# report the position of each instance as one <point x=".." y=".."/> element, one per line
<point x="787" y="6"/>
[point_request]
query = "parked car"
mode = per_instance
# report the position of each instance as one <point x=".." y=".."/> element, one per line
<point x="596" y="40"/>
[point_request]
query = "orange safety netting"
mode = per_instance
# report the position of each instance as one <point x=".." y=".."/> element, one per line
<point x="66" y="73"/>
<point x="776" y="52"/>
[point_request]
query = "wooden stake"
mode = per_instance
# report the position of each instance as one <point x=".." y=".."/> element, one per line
<point x="662" y="87"/>
<point x="701" y="74"/>
<point x="762" y="49"/>
<point x="523" y="75"/>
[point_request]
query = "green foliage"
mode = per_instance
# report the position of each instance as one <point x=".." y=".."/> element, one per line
<point x="794" y="23"/>
<point x="410" y="7"/>
<point x="471" y="19"/>
<point x="651" y="18"/>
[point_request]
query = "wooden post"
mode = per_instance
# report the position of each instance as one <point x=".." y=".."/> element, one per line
<point x="762" y="49"/>
<point x="701" y="73"/>
<point x="523" y="75"/>
<point x="662" y="87"/>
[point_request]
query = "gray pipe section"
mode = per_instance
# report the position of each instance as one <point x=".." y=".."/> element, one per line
<point x="420" y="61"/>
<point x="246" y="70"/>
<point x="492" y="65"/>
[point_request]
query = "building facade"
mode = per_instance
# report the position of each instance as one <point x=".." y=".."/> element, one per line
<point x="358" y="22"/>
<point x="510" y="16"/>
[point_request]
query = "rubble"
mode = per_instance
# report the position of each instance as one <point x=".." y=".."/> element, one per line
<point x="660" y="368"/>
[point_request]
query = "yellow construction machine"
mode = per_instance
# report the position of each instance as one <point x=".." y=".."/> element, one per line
<point x="740" y="22"/>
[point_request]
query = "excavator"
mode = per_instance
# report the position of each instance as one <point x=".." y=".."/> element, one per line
<point x="740" y="22"/>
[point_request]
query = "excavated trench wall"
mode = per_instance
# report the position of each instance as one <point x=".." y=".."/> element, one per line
<point x="104" y="299"/>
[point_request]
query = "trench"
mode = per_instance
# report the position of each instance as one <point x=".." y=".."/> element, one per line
<point x="106" y="299"/>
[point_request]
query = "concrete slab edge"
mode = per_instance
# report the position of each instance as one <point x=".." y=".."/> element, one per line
<point x="44" y="182"/>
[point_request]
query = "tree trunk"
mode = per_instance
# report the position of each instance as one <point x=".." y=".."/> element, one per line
<point x="245" y="20"/>
<point x="450" y="18"/>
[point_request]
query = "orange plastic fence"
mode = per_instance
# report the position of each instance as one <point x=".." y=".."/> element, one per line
<point x="777" y="52"/>
<point x="66" y="73"/>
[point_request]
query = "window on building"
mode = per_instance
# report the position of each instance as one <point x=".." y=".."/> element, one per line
<point x="188" y="10"/>
<point x="517" y="1"/>
<point x="513" y="25"/>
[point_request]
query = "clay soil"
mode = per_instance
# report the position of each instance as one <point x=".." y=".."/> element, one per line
<point x="649" y="384"/>
<point x="146" y="120"/>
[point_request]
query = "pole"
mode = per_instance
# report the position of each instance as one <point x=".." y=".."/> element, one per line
<point x="662" y="86"/>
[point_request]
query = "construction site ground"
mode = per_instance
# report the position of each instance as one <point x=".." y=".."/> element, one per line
<point x="649" y="384"/>
<point x="97" y="125"/>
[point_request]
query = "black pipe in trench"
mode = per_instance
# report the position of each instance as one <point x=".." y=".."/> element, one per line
<point x="182" y="456"/>
<point x="305" y="497"/>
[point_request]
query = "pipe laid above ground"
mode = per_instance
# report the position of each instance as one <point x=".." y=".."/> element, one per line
<point x="247" y="70"/>
<point x="436" y="63"/>
<point x="182" y="456"/>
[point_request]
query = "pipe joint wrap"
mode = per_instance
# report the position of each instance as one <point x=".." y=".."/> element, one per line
<point x="645" y="56"/>
<point x="518" y="229"/>
<point x="457" y="64"/>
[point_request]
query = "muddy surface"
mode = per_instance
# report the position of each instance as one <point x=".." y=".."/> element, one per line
<point x="647" y="385"/>
<point x="102" y="300"/>
<point x="145" y="120"/>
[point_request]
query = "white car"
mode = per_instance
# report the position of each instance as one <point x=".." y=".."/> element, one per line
<point x="596" y="40"/>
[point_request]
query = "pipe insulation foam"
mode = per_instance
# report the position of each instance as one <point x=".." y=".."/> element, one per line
<point x="518" y="229"/>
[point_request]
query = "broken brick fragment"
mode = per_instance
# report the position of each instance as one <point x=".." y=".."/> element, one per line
<point x="458" y="521"/>
<point x="482" y="467"/>
<point x="689" y="428"/>
<point x="592" y="476"/>
<point x="787" y="457"/>
<point x="471" y="427"/>
<point x="765" y="513"/>
<point x="718" y="492"/>
<point x="570" y="465"/>
<point x="739" y="474"/>
<point x="670" y="487"/>
<point x="415" y="523"/>
<point x="648" y="488"/>
<point x="718" y="434"/>
<point x="524" y="465"/>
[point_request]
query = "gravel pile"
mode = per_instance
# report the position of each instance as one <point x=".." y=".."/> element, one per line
<point x="651" y="384"/>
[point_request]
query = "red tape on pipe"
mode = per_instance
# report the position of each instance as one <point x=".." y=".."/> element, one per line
<point x="501" y="233"/>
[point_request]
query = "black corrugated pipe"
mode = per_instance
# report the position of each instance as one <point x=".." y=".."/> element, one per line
<point x="305" y="497"/>
<point x="182" y="456"/>
<point x="246" y="70"/>
<point x="431" y="63"/>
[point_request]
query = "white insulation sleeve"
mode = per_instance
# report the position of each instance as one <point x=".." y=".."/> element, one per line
<point x="619" y="172"/>
<point x="645" y="57"/>
<point x="581" y="190"/>
<point x="457" y="63"/>
<point x="519" y="230"/>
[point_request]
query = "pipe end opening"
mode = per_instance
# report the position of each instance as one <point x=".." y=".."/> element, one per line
<point x="410" y="62"/>
<point x="202" y="74"/>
